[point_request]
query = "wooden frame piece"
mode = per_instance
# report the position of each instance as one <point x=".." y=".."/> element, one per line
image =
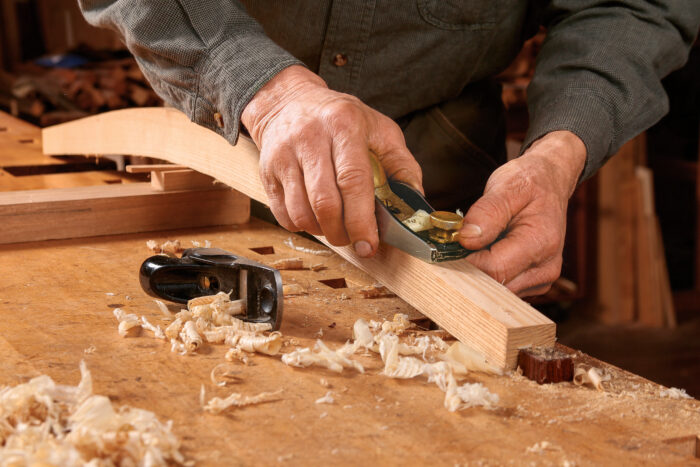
<point x="463" y="300"/>
<point x="89" y="211"/>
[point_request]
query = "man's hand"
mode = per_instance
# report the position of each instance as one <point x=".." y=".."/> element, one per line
<point x="523" y="210"/>
<point x="314" y="161"/>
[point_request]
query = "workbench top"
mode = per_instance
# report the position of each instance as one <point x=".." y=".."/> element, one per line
<point x="56" y="302"/>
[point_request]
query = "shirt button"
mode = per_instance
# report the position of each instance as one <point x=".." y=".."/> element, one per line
<point x="219" y="120"/>
<point x="340" y="60"/>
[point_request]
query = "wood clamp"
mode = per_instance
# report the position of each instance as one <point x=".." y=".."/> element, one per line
<point x="208" y="271"/>
<point x="396" y="202"/>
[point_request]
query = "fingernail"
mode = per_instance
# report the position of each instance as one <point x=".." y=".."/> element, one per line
<point x="363" y="248"/>
<point x="470" y="231"/>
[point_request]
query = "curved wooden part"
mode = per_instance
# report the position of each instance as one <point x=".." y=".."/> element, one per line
<point x="463" y="300"/>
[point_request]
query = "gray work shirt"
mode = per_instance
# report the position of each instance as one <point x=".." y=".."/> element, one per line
<point x="598" y="73"/>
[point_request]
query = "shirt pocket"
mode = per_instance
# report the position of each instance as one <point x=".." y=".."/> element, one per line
<point x="460" y="14"/>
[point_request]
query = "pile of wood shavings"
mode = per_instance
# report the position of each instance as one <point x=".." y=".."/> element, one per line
<point x="212" y="319"/>
<point x="44" y="423"/>
<point x="424" y="356"/>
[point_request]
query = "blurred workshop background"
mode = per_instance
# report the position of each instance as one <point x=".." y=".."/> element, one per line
<point x="630" y="287"/>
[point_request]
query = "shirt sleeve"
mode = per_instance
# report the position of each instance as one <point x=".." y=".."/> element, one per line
<point x="599" y="72"/>
<point x="200" y="56"/>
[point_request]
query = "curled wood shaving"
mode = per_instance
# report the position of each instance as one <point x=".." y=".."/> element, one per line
<point x="129" y="323"/>
<point x="321" y="252"/>
<point x="419" y="221"/>
<point x="334" y="360"/>
<point x="376" y="291"/>
<point x="163" y="308"/>
<point x="217" y="405"/>
<point x="190" y="337"/>
<point x="269" y="345"/>
<point x="236" y="353"/>
<point x="288" y="263"/>
<point x="224" y="373"/>
<point x="170" y="248"/>
<point x="218" y="298"/>
<point x="219" y="334"/>
<point x="459" y="397"/>
<point x="396" y="326"/>
<point x="174" y="328"/>
<point x="674" y="393"/>
<point x="464" y="358"/>
<point x="327" y="399"/>
<point x="591" y="376"/>
<point x="44" y="423"/>
<point x="156" y="330"/>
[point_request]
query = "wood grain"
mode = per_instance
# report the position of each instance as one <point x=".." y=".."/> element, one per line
<point x="457" y="296"/>
<point x="111" y="209"/>
<point x="55" y="305"/>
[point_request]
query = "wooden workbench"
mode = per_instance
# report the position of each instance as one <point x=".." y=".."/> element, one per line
<point x="56" y="302"/>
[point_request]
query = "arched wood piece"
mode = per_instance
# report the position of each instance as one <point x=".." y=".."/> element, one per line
<point x="463" y="300"/>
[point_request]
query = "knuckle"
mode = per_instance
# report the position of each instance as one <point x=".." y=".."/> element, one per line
<point x="351" y="178"/>
<point x="326" y="207"/>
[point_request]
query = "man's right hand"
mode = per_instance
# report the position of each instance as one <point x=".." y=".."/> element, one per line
<point x="314" y="162"/>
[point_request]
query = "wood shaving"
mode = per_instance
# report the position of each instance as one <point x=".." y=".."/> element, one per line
<point x="398" y="325"/>
<point x="321" y="252"/>
<point x="288" y="263"/>
<point x="174" y="328"/>
<point x="334" y="360"/>
<point x="324" y="382"/>
<point x="319" y="334"/>
<point x="268" y="345"/>
<point x="376" y="291"/>
<point x="163" y="308"/>
<point x="190" y="337"/>
<point x="169" y="248"/>
<point x="220" y="297"/>
<point x="223" y="374"/>
<point x="327" y="399"/>
<point x="290" y="290"/>
<point x="90" y="350"/>
<point x="217" y="405"/>
<point x="462" y="356"/>
<point x="590" y="376"/>
<point x="129" y="323"/>
<point x="236" y="353"/>
<point x="419" y="221"/>
<point x="44" y="423"/>
<point x="156" y="330"/>
<point x="318" y="267"/>
<point x="541" y="447"/>
<point x="674" y="393"/>
<point x="459" y="397"/>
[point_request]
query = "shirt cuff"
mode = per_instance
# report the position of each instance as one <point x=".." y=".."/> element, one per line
<point x="585" y="115"/>
<point x="235" y="70"/>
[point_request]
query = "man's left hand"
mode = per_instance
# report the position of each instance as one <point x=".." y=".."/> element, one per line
<point x="518" y="225"/>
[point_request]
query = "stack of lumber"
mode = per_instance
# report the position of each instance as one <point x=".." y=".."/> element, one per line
<point x="51" y="96"/>
<point x="633" y="283"/>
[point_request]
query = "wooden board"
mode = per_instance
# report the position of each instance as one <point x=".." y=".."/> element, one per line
<point x="112" y="209"/>
<point x="55" y="306"/>
<point x="457" y="296"/>
<point x="20" y="147"/>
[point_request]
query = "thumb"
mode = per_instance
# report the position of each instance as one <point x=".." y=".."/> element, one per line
<point x="389" y="145"/>
<point x="488" y="218"/>
<point x="400" y="165"/>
